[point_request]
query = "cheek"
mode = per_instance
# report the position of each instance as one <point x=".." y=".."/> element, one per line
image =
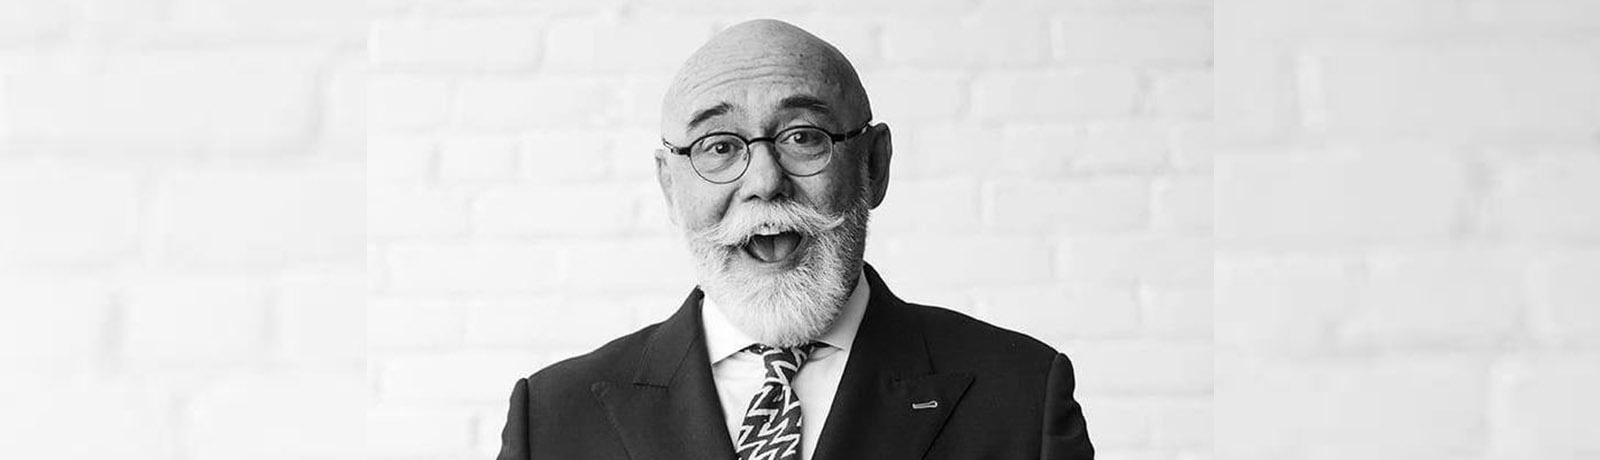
<point x="699" y="207"/>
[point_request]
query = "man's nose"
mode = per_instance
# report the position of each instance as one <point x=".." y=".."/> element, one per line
<point x="765" y="179"/>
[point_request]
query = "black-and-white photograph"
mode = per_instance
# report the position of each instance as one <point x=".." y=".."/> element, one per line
<point x="799" y="230"/>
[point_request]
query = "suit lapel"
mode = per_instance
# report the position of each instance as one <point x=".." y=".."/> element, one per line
<point x="670" y="410"/>
<point x="890" y="403"/>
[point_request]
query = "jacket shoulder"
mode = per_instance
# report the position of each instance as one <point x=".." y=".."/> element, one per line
<point x="613" y="361"/>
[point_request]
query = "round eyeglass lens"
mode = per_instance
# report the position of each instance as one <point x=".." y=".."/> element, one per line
<point x="719" y="157"/>
<point x="805" y="150"/>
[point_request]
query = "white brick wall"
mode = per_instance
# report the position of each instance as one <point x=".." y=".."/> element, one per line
<point x="180" y="229"/>
<point x="1405" y="267"/>
<point x="1406" y="204"/>
<point x="1054" y="144"/>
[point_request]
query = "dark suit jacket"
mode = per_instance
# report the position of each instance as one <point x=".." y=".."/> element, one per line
<point x="650" y="395"/>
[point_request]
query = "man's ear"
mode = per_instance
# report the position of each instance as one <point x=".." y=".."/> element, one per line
<point x="878" y="156"/>
<point x="665" y="180"/>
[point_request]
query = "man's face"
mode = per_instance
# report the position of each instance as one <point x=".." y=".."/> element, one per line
<point x="777" y="251"/>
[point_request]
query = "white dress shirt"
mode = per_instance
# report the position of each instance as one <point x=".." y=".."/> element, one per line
<point x="739" y="375"/>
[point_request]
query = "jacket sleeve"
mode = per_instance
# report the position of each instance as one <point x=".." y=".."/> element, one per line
<point x="514" y="438"/>
<point x="1065" y="436"/>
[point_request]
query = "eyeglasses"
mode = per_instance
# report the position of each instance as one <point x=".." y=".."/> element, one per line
<point x="723" y="157"/>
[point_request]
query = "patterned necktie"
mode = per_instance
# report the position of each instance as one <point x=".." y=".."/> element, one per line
<point x="771" y="429"/>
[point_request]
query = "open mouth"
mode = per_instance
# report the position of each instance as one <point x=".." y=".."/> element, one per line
<point x="774" y="247"/>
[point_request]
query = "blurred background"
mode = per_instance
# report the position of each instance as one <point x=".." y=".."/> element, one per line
<point x="1051" y="175"/>
<point x="1408" y="229"/>
<point x="181" y="233"/>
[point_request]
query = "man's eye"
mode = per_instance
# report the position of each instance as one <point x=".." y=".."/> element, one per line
<point x="722" y="148"/>
<point x="803" y="137"/>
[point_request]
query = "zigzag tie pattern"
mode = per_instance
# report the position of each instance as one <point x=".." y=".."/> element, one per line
<point x="771" y="429"/>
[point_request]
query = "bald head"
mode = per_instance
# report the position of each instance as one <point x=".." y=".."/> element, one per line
<point x="763" y="70"/>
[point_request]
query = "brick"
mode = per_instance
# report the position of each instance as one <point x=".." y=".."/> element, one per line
<point x="1061" y="312"/>
<point x="66" y="213"/>
<point x="455" y="43"/>
<point x="1267" y="18"/>
<point x="1549" y="197"/>
<point x="399" y="102"/>
<point x="478" y="159"/>
<point x="322" y="320"/>
<point x="1055" y="94"/>
<point x="165" y="103"/>
<point x="986" y="260"/>
<point x="1121" y="423"/>
<point x="632" y="156"/>
<point x="344" y="107"/>
<point x="1282" y="304"/>
<point x="1129" y="367"/>
<point x="1184" y="95"/>
<point x="1178" y="312"/>
<point x="941" y="151"/>
<point x="1183" y="38"/>
<point x="407" y="324"/>
<point x="250" y="416"/>
<point x="416" y="212"/>
<point x="262" y="217"/>
<point x="194" y="322"/>
<point x="32" y="22"/>
<point x="1183" y="204"/>
<point x="641" y="97"/>
<point x="1563" y="298"/>
<point x="539" y="102"/>
<point x="474" y="267"/>
<point x="1123" y="147"/>
<point x="1453" y="90"/>
<point x="399" y="159"/>
<point x="548" y="323"/>
<point x="599" y="209"/>
<point x="1537" y="15"/>
<point x="293" y="21"/>
<point x="132" y="423"/>
<point x="1086" y="206"/>
<point x="916" y="96"/>
<point x="1541" y="406"/>
<point x="1183" y="423"/>
<point x="1130" y="258"/>
<point x="971" y="41"/>
<point x="1419" y="406"/>
<point x="1193" y="146"/>
<point x="478" y="377"/>
<point x="400" y="432"/>
<point x="573" y="155"/>
<point x="1260" y="94"/>
<point x="1396" y="197"/>
<point x="928" y="206"/>
<point x="1455" y="299"/>
<point x="630" y="44"/>
<point x="1037" y="150"/>
<point x="53" y="322"/>
<point x="628" y="265"/>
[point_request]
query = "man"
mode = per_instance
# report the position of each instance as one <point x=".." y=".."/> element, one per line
<point x="791" y="348"/>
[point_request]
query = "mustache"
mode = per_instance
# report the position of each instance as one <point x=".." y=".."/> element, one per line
<point x="743" y="222"/>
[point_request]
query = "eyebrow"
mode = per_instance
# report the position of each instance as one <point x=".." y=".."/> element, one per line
<point x="801" y="101"/>
<point x="707" y="113"/>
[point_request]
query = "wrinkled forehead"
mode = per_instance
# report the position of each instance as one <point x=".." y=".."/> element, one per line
<point x="753" y="92"/>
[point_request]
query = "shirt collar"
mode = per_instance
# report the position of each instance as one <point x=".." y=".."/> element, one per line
<point x="723" y="339"/>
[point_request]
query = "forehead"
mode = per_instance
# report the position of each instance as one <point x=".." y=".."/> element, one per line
<point x="751" y="93"/>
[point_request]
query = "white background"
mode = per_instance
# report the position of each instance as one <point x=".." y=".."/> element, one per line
<point x="1405" y="263"/>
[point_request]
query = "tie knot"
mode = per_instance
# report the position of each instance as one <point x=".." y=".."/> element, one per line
<point x="784" y="362"/>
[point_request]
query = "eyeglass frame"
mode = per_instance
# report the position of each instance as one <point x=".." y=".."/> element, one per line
<point x="833" y="138"/>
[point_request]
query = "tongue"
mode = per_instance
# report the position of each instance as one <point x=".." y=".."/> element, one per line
<point x="773" y="248"/>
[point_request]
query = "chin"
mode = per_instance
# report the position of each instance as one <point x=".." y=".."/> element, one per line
<point x="790" y="302"/>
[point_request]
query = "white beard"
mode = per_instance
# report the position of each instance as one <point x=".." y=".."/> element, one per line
<point x="794" y="307"/>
